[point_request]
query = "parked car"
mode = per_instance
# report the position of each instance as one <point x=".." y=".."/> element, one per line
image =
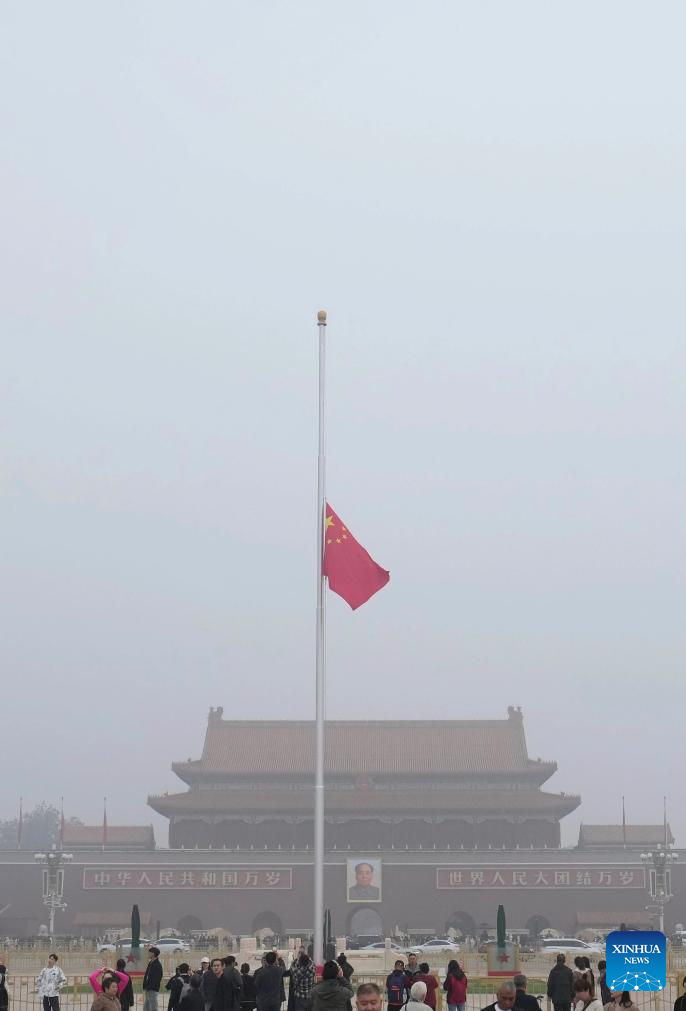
<point x="176" y="944"/>
<point x="571" y="945"/>
<point x="438" y="944"/>
<point x="123" y="942"/>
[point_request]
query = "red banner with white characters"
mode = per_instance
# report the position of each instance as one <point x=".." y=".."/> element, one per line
<point x="540" y="877"/>
<point x="205" y="879"/>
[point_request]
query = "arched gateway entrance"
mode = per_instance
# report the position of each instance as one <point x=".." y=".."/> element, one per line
<point x="463" y="923"/>
<point x="535" y="924"/>
<point x="269" y="920"/>
<point x="365" y="922"/>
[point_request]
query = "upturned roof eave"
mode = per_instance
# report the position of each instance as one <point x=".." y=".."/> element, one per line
<point x="244" y="803"/>
<point x="197" y="772"/>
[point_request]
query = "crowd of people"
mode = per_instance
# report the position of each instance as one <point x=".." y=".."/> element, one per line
<point x="576" y="990"/>
<point x="218" y="984"/>
<point x="221" y="985"/>
<point x="412" y="987"/>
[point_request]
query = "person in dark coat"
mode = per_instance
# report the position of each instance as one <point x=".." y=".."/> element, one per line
<point x="605" y="994"/>
<point x="168" y="986"/>
<point x="344" y="980"/>
<point x="4" y="997"/>
<point x="269" y="984"/>
<point x="152" y="979"/>
<point x="680" y="1002"/>
<point x="228" y="991"/>
<point x="217" y="971"/>
<point x="193" y="999"/>
<point x="282" y="965"/>
<point x="176" y="984"/>
<point x="208" y="986"/>
<point x="561" y="985"/>
<point x="523" y="999"/>
<point x="231" y="971"/>
<point x="248" y="1000"/>
<point x="348" y="969"/>
<point x="126" y="998"/>
<point x="334" y="993"/>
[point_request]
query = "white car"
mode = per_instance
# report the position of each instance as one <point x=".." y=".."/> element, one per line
<point x="573" y="946"/>
<point x="123" y="942"/>
<point x="438" y="944"/>
<point x="175" y="944"/>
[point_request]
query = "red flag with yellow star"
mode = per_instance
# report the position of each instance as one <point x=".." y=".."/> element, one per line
<point x="352" y="572"/>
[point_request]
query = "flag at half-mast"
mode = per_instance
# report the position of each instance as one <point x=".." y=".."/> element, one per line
<point x="351" y="571"/>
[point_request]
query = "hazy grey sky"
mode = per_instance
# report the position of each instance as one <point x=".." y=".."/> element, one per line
<point x="489" y="199"/>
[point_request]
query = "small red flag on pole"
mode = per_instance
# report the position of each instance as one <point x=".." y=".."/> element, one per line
<point x="351" y="571"/>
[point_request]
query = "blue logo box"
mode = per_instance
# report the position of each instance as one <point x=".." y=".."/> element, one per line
<point x="636" y="960"/>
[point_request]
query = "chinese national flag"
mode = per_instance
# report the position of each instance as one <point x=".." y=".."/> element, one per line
<point x="352" y="572"/>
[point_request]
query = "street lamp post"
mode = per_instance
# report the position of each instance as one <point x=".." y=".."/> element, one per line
<point x="53" y="883"/>
<point x="659" y="863"/>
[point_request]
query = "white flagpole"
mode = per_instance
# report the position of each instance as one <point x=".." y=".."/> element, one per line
<point x="318" y="946"/>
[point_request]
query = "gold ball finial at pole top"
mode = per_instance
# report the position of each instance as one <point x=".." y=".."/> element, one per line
<point x="321" y="317"/>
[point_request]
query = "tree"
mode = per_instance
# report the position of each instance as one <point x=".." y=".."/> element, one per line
<point x="40" y="828"/>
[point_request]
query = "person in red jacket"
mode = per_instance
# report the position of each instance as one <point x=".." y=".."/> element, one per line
<point x="455" y="986"/>
<point x="424" y="976"/>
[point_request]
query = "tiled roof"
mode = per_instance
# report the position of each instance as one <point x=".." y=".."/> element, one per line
<point x="117" y="835"/>
<point x="455" y="802"/>
<point x="614" y="835"/>
<point x="366" y="747"/>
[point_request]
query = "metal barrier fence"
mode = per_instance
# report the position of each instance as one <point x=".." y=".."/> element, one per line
<point x="82" y="961"/>
<point x="77" y="995"/>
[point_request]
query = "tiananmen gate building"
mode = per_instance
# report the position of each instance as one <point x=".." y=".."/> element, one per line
<point x="429" y="825"/>
<point x="448" y="785"/>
